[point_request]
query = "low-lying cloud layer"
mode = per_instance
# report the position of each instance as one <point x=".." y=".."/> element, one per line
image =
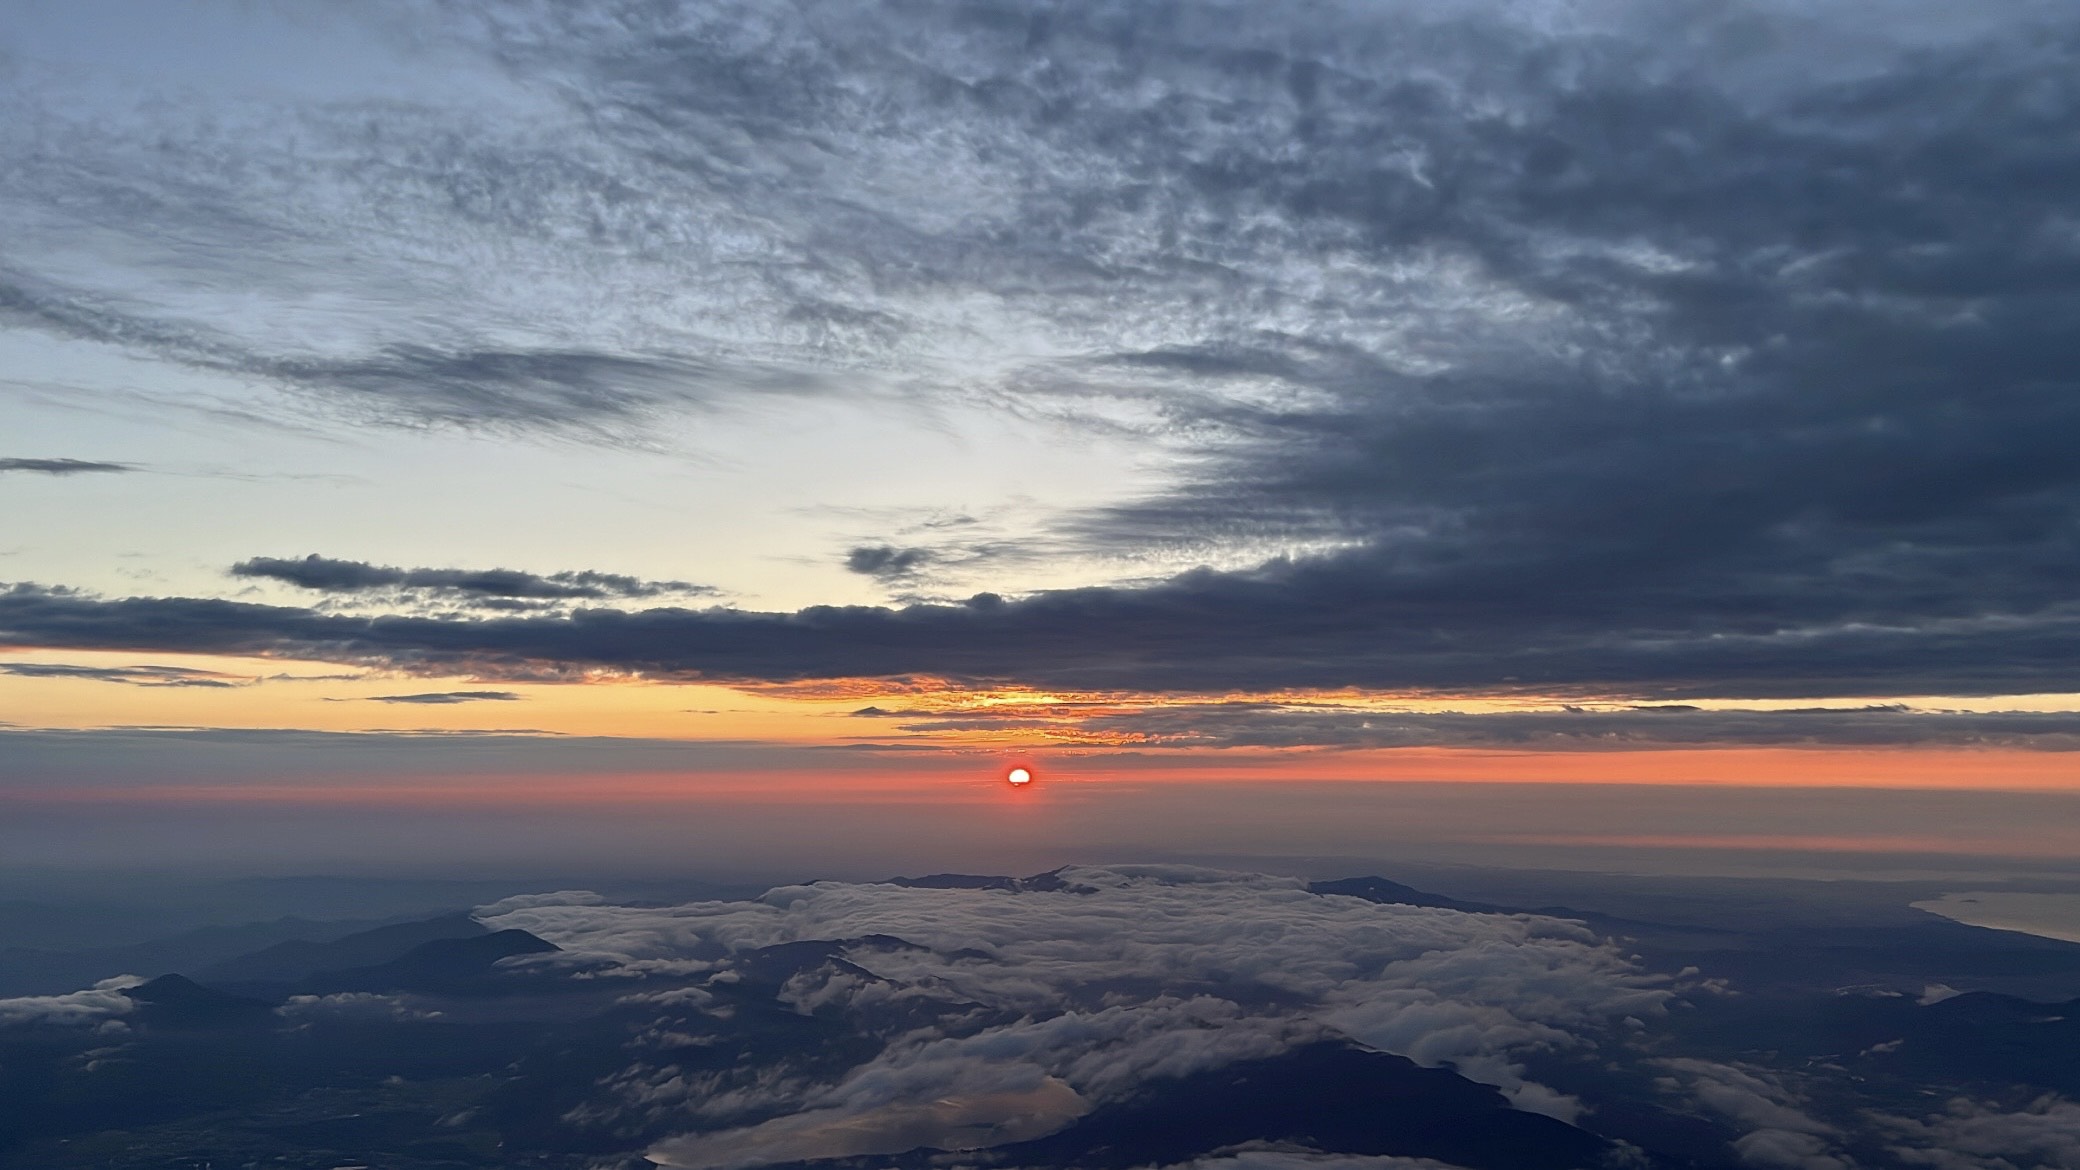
<point x="1154" y="1016"/>
<point x="1098" y="980"/>
<point x="1974" y="1135"/>
<point x="98" y="1004"/>
<point x="1001" y="1011"/>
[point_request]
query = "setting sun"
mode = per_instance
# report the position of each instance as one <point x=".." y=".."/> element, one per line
<point x="1019" y="777"/>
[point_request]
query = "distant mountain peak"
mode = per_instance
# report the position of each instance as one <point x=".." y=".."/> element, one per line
<point x="1385" y="892"/>
<point x="450" y="965"/>
<point x="1050" y="882"/>
<point x="180" y="1002"/>
<point x="297" y="959"/>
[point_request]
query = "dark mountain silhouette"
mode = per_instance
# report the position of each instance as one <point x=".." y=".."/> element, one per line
<point x="1379" y="889"/>
<point x="1333" y="1097"/>
<point x="1045" y="883"/>
<point x="451" y="966"/>
<point x="775" y="965"/>
<point x="298" y="959"/>
<point x="32" y="971"/>
<point x="175" y="1001"/>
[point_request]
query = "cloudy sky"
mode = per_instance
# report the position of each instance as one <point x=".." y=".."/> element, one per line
<point x="830" y="404"/>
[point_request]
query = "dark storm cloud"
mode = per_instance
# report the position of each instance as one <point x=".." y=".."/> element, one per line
<point x="138" y="676"/>
<point x="446" y="698"/>
<point x="332" y="575"/>
<point x="1780" y="365"/>
<point x="1676" y="349"/>
<point x="62" y="466"/>
<point x="1200" y="632"/>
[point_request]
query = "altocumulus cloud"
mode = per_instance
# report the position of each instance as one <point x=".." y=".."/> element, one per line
<point x="1648" y="346"/>
<point x="1670" y="348"/>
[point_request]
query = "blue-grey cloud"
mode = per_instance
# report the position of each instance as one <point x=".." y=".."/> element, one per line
<point x="1328" y="724"/>
<point x="1682" y="348"/>
<point x="63" y="466"/>
<point x="332" y="575"/>
<point x="1299" y="626"/>
<point x="888" y="563"/>
<point x="137" y="676"/>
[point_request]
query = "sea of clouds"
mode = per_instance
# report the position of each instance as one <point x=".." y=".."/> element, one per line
<point x="1088" y="989"/>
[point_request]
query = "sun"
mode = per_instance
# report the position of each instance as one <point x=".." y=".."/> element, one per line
<point x="1019" y="777"/>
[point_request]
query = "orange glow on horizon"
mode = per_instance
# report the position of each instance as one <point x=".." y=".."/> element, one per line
<point x="919" y="733"/>
<point x="945" y="777"/>
<point x="2004" y="769"/>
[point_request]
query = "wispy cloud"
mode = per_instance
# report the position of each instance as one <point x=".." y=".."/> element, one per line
<point x="332" y="575"/>
<point x="1558" y="351"/>
<point x="888" y="563"/>
<point x="446" y="698"/>
<point x="1165" y="721"/>
<point x="137" y="676"/>
<point x="63" y="466"/>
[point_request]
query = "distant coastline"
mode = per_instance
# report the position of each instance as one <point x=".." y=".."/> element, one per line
<point x="2045" y="915"/>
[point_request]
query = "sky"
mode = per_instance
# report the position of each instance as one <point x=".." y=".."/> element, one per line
<point x="732" y="435"/>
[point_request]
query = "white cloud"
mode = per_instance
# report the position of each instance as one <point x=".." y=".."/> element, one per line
<point x="1779" y="1133"/>
<point x="1969" y="1135"/>
<point x="103" y="1001"/>
<point x="530" y="901"/>
<point x="359" y="1005"/>
<point x="1132" y="973"/>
